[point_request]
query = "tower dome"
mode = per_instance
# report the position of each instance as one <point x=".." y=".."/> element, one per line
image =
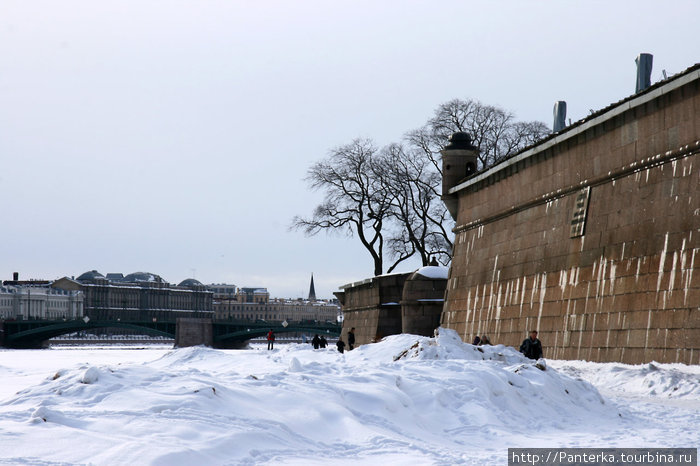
<point x="90" y="275"/>
<point x="191" y="283"/>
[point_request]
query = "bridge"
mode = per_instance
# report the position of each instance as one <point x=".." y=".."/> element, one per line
<point x="223" y="333"/>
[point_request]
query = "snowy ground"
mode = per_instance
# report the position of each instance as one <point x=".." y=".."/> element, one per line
<point x="406" y="400"/>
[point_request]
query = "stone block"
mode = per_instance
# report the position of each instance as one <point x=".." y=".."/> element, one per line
<point x="193" y="332"/>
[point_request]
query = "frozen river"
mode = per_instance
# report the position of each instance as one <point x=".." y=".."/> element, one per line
<point x="406" y="400"/>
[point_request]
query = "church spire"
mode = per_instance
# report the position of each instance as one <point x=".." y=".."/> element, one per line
<point x="312" y="290"/>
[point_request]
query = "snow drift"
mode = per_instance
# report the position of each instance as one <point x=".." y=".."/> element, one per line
<point x="405" y="400"/>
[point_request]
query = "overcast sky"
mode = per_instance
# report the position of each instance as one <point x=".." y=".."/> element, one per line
<point x="174" y="136"/>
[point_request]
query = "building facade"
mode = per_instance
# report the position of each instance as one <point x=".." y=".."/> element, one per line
<point x="277" y="310"/>
<point x="39" y="302"/>
<point x="253" y="295"/>
<point x="137" y="296"/>
<point x="223" y="290"/>
<point x="592" y="236"/>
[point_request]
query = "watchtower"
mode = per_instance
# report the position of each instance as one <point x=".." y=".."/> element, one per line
<point x="459" y="159"/>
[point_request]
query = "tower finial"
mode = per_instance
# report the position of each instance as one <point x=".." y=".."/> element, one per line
<point x="312" y="289"/>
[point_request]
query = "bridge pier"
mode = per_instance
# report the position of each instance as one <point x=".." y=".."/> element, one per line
<point x="193" y="332"/>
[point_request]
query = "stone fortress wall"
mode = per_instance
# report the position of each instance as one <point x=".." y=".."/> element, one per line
<point x="592" y="237"/>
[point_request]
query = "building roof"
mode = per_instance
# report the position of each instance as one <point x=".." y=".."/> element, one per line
<point x="190" y="282"/>
<point x="254" y="290"/>
<point x="90" y="275"/>
<point x="143" y="277"/>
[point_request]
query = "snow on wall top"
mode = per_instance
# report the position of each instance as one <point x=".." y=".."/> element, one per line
<point x="433" y="271"/>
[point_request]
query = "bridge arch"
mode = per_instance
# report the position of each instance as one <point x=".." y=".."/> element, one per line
<point x="34" y="334"/>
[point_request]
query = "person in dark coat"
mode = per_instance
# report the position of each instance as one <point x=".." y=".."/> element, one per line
<point x="340" y="345"/>
<point x="532" y="347"/>
<point x="316" y="342"/>
<point x="270" y="339"/>
<point x="351" y="338"/>
<point x="324" y="342"/>
<point x="485" y="340"/>
<point x="476" y="341"/>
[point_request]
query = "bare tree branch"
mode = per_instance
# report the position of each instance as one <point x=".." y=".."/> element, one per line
<point x="353" y="199"/>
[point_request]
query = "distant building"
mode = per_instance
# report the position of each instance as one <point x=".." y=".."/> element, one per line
<point x="137" y="295"/>
<point x="39" y="302"/>
<point x="253" y="295"/>
<point x="278" y="310"/>
<point x="223" y="290"/>
<point x="31" y="282"/>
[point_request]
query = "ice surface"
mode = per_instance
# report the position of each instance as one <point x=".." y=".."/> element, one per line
<point x="405" y="400"/>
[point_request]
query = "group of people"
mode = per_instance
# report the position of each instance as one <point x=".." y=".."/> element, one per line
<point x="531" y="346"/>
<point x="351" y="341"/>
<point x="481" y="340"/>
<point x="322" y="343"/>
<point x="319" y="342"/>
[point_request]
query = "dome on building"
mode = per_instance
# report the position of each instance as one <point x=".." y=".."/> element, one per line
<point x="191" y="282"/>
<point x="460" y="140"/>
<point x="143" y="277"/>
<point x="91" y="275"/>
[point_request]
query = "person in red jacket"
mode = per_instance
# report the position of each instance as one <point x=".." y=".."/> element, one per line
<point x="270" y="339"/>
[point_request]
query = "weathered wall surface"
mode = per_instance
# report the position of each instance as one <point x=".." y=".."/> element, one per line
<point x="373" y="308"/>
<point x="421" y="304"/>
<point x="193" y="332"/>
<point x="628" y="289"/>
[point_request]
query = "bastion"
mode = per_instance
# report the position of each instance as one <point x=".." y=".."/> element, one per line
<point x="591" y="237"/>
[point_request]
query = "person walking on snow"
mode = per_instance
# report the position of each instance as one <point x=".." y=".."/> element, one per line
<point x="340" y="345"/>
<point x="316" y="342"/>
<point x="270" y="339"/>
<point x="532" y="347"/>
<point x="351" y="338"/>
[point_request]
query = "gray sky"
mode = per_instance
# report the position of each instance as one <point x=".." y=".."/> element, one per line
<point x="173" y="136"/>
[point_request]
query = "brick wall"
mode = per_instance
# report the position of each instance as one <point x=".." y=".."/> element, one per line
<point x="628" y="289"/>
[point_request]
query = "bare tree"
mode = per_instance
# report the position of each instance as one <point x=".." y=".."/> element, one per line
<point x="419" y="217"/>
<point x="354" y="200"/>
<point x="493" y="131"/>
<point x="391" y="198"/>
